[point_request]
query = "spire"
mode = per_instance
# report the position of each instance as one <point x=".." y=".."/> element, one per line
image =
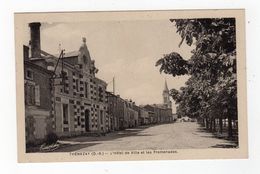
<point x="166" y="86"/>
<point x="84" y="40"/>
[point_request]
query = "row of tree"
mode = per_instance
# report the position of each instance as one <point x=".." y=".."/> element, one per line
<point x="210" y="93"/>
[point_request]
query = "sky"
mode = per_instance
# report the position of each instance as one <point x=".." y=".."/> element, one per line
<point x="126" y="50"/>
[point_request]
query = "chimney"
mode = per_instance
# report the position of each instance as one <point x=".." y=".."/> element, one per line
<point x="35" y="39"/>
<point x="25" y="52"/>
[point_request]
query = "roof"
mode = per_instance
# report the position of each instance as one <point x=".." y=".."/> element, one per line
<point x="157" y="106"/>
<point x="100" y="81"/>
<point x="38" y="68"/>
<point x="162" y="106"/>
<point x="69" y="54"/>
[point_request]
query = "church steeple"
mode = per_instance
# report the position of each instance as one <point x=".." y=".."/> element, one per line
<point x="166" y="96"/>
<point x="166" y="86"/>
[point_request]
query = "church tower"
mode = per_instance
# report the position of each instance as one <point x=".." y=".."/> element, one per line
<point x="166" y="96"/>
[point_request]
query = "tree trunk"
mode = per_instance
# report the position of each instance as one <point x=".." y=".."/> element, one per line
<point x="221" y="125"/>
<point x="207" y="123"/>
<point x="214" y="125"/>
<point x="230" y="132"/>
<point x="211" y="125"/>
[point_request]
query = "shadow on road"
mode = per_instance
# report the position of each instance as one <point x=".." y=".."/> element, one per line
<point x="110" y="136"/>
<point x="87" y="141"/>
<point x="231" y="142"/>
<point x="225" y="146"/>
<point x="70" y="148"/>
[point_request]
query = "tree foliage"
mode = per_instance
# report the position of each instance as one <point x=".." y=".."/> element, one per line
<point x="211" y="90"/>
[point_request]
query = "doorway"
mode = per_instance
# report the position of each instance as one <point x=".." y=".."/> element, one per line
<point x="87" y="120"/>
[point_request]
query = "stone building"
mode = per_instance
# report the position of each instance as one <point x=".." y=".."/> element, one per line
<point x="143" y="116"/>
<point x="152" y="113"/>
<point x="131" y="117"/>
<point x="80" y="103"/>
<point x="37" y="95"/>
<point x="116" y="111"/>
<point x="78" y="98"/>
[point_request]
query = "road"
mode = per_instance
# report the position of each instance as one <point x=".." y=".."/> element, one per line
<point x="183" y="135"/>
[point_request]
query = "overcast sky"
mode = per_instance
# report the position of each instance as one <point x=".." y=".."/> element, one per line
<point x="127" y="50"/>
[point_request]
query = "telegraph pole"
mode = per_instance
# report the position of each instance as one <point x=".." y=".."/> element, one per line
<point x="114" y="88"/>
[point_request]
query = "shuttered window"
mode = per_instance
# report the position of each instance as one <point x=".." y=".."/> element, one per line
<point x="32" y="94"/>
<point x="29" y="94"/>
<point x="86" y="90"/>
<point x="37" y="95"/>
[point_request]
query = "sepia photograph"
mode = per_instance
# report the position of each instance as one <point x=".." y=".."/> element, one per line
<point x="139" y="85"/>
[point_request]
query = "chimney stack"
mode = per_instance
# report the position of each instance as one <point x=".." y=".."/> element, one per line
<point x="35" y="39"/>
<point x="25" y="52"/>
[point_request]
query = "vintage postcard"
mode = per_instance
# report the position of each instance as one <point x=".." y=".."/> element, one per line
<point x="131" y="85"/>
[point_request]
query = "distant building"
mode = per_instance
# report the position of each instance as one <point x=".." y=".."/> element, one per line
<point x="161" y="113"/>
<point x="143" y="116"/>
<point x="131" y="117"/>
<point x="166" y="96"/>
<point x="152" y="113"/>
<point x="116" y="111"/>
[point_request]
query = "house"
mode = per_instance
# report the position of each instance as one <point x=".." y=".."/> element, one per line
<point x="37" y="95"/>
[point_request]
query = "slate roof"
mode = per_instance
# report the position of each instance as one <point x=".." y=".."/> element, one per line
<point x="69" y="54"/>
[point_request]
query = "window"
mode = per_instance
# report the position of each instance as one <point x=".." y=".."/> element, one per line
<point x="77" y="85"/>
<point x="64" y="82"/>
<point x="29" y="74"/>
<point x="37" y="95"/>
<point x="78" y="120"/>
<point x="101" y="117"/>
<point x="32" y="94"/>
<point x="65" y="113"/>
<point x="100" y="94"/>
<point x="29" y="94"/>
<point x="86" y="89"/>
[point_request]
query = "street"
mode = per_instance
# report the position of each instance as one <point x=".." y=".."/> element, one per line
<point x="183" y="135"/>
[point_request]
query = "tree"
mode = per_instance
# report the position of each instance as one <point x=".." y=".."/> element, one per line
<point x="211" y="91"/>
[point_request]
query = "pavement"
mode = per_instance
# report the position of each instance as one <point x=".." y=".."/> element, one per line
<point x="181" y="135"/>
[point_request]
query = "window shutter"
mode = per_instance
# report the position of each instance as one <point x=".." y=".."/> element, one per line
<point x="26" y="97"/>
<point x="37" y="95"/>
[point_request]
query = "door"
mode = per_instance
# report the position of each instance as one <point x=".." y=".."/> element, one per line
<point x="86" y="120"/>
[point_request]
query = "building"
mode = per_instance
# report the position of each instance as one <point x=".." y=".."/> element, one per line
<point x="143" y="116"/>
<point x="131" y="115"/>
<point x="161" y="113"/>
<point x="153" y="113"/>
<point x="116" y="111"/>
<point x="166" y="96"/>
<point x="78" y="98"/>
<point x="37" y="95"/>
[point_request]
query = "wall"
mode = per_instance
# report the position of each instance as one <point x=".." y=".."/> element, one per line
<point x="37" y="113"/>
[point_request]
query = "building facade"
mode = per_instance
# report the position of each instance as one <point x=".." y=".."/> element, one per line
<point x="116" y="111"/>
<point x="78" y="98"/>
<point x="37" y="100"/>
<point x="143" y="116"/>
<point x="80" y="103"/>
